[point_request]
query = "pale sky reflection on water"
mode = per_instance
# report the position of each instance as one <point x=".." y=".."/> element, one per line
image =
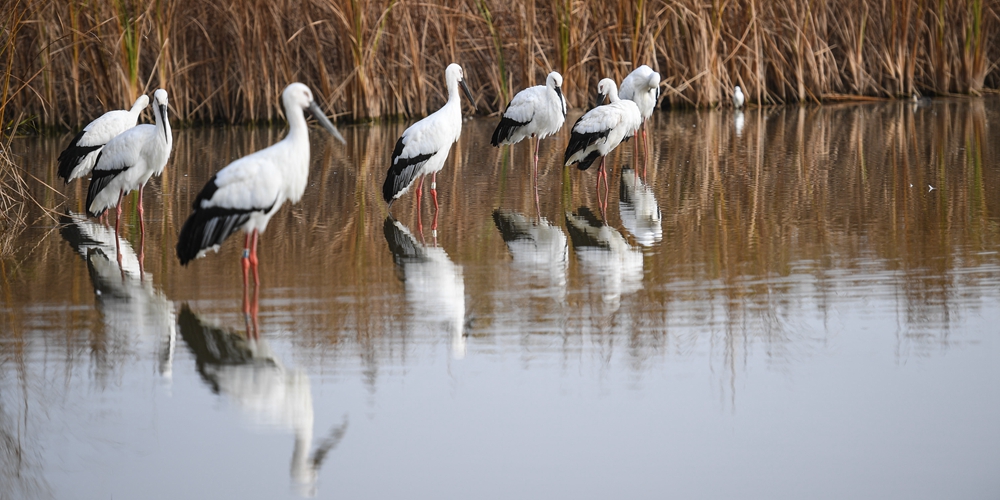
<point x="780" y="308"/>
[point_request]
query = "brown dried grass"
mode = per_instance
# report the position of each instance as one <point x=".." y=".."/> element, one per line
<point x="226" y="61"/>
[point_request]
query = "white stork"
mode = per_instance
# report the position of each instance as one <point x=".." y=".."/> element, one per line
<point x="78" y="159"/>
<point x="249" y="191"/>
<point x="128" y="161"/>
<point x="642" y="86"/>
<point x="738" y="98"/>
<point x="424" y="146"/>
<point x="537" y="112"/>
<point x="601" y="130"/>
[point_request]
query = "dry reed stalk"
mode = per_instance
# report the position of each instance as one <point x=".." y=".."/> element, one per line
<point x="227" y="60"/>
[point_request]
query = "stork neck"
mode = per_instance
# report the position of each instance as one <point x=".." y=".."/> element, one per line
<point x="454" y="96"/>
<point x="297" y="126"/>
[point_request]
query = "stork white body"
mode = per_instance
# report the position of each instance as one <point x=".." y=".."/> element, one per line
<point x="602" y="129"/>
<point x="78" y="159"/>
<point x="424" y="146"/>
<point x="249" y="191"/>
<point x="129" y="159"/>
<point x="642" y="86"/>
<point x="738" y="98"/>
<point x="538" y="111"/>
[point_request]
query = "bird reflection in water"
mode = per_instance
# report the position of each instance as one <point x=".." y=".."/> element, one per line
<point x="613" y="266"/>
<point x="538" y="248"/>
<point x="435" y="286"/>
<point x="639" y="210"/>
<point x="246" y="371"/>
<point x="126" y="297"/>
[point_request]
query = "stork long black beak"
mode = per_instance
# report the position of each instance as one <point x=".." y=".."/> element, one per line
<point x="562" y="100"/>
<point x="163" y="116"/>
<point x="600" y="98"/>
<point x="465" y="88"/>
<point x="322" y="119"/>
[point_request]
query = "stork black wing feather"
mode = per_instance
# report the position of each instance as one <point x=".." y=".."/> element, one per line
<point x="99" y="179"/>
<point x="73" y="155"/>
<point x="402" y="172"/>
<point x="505" y="129"/>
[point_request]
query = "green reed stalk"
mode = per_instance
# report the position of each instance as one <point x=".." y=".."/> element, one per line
<point x="973" y="50"/>
<point x="497" y="49"/>
<point x="128" y="24"/>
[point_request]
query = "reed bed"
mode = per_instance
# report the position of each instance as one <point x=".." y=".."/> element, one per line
<point x="226" y="61"/>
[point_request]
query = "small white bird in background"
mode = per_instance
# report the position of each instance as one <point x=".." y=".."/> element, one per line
<point x="128" y="161"/>
<point x="738" y="98"/>
<point x="537" y="112"/>
<point x="249" y="191"/>
<point x="642" y="86"/>
<point x="79" y="157"/>
<point x="424" y="146"/>
<point x="601" y="130"/>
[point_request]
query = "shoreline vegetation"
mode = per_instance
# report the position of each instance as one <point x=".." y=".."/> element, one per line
<point x="66" y="62"/>
<point x="226" y="61"/>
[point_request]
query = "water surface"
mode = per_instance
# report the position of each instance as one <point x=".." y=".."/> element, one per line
<point x="789" y="303"/>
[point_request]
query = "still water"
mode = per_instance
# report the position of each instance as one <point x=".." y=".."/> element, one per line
<point x="790" y="303"/>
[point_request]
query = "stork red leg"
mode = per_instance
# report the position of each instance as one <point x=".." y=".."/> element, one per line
<point x="142" y="225"/>
<point x="245" y="262"/>
<point x="434" y="195"/>
<point x="434" y="191"/>
<point x="536" y="159"/>
<point x="253" y="259"/>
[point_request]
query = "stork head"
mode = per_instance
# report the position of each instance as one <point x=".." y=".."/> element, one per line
<point x="554" y="80"/>
<point x="653" y="81"/>
<point x="140" y="103"/>
<point x="607" y="88"/>
<point x="453" y="74"/>
<point x="298" y="96"/>
<point x="160" y="110"/>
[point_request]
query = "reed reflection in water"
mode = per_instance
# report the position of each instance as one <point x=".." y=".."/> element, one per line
<point x="760" y="251"/>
